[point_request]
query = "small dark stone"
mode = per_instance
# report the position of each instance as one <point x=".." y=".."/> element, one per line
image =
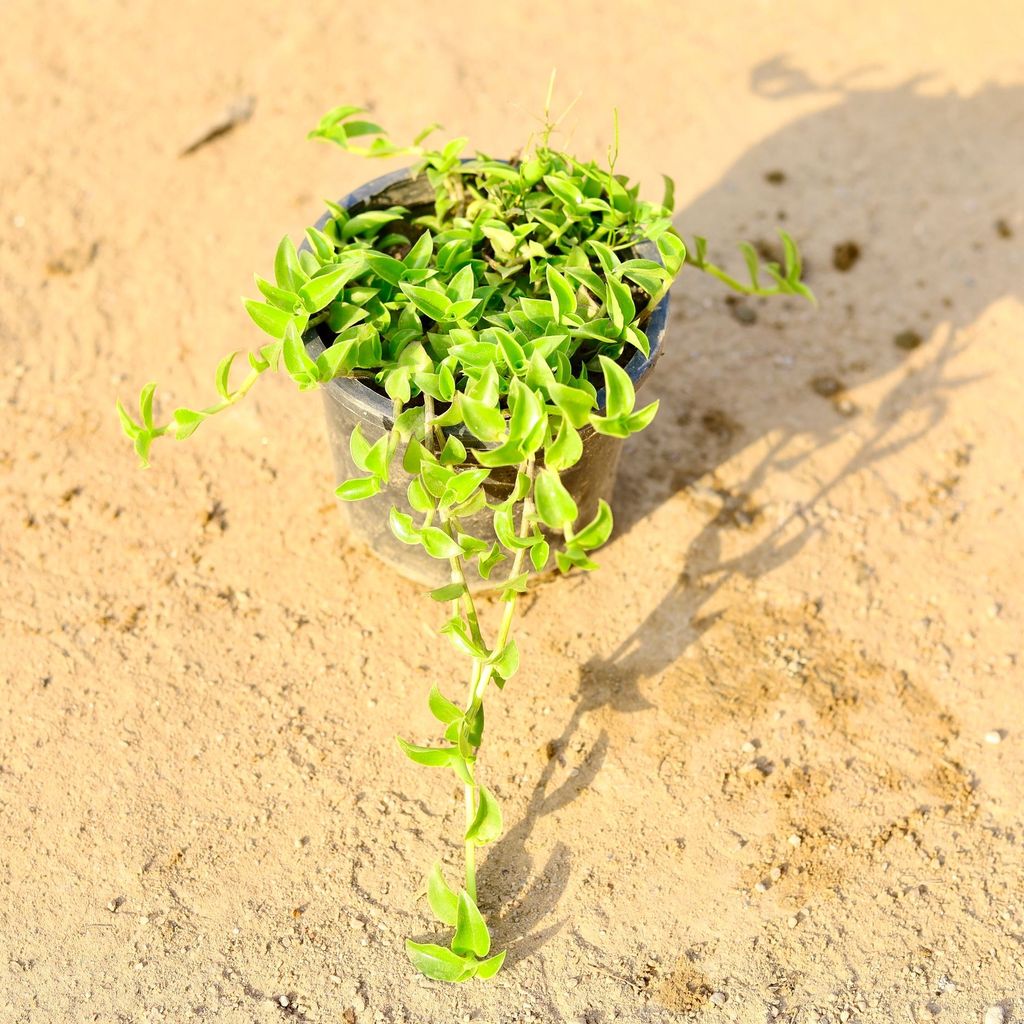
<point x="907" y="340"/>
<point x="1003" y="229"/>
<point x="741" y="312"/>
<point x="826" y="386"/>
<point x="845" y="255"/>
<point x="720" y="423"/>
<point x="775" y="177"/>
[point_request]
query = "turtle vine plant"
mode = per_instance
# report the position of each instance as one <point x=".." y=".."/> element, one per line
<point x="492" y="321"/>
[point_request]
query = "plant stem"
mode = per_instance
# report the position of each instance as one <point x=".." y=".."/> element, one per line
<point x="458" y="575"/>
<point x="505" y="628"/>
<point x="470" y="797"/>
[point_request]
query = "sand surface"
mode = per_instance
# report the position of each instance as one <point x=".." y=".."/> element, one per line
<point x="765" y="766"/>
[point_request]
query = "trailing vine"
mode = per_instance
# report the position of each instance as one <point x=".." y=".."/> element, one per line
<point x="498" y="323"/>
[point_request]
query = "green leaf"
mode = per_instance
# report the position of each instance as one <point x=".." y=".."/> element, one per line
<point x="509" y="454"/>
<point x="462" y="284"/>
<point x="486" y="564"/>
<point x="268" y="318"/>
<point x="186" y="421"/>
<point x="419" y="255"/>
<point x="489" y="968"/>
<point x="506" y="662"/>
<point x="471" y="935"/>
<point x="386" y="267"/>
<point x="574" y="403"/>
<point x="449" y="592"/>
<point x="297" y="362"/>
<point x="512" y="587"/>
<point x="511" y="351"/>
<point x="487" y="822"/>
<point x="567" y="448"/>
<point x="431" y="757"/>
<point x="620" y="396"/>
<point x="639" y="420"/>
<point x="527" y="419"/>
<point x="146" y="405"/>
<point x="288" y="271"/>
<point x="539" y="554"/>
<point x="379" y="457"/>
<point x="221" y="377"/>
<point x="563" y="296"/>
<point x="358" y="488"/>
<point x="611" y="428"/>
<point x="442" y="708"/>
<point x="564" y="189"/>
<point x="419" y="499"/>
<point x="461" y="310"/>
<point x="442" y="899"/>
<point x="358" y="447"/>
<point x="436" y="477"/>
<point x="280" y="297"/>
<point x="438" y="963"/>
<point x="668" y="199"/>
<point x="504" y="528"/>
<point x="454" y="452"/>
<point x="462" y="486"/>
<point x="456" y="631"/>
<point x="573" y="556"/>
<point x="555" y="505"/>
<point x="598" y="530"/>
<point x="128" y="425"/>
<point x="369" y="222"/>
<point x="403" y="527"/>
<point x="426" y="300"/>
<point x="673" y="251"/>
<point x="608" y="260"/>
<point x="619" y="302"/>
<point x="472" y="546"/>
<point x="323" y="247"/>
<point x="318" y="291"/>
<point x="438" y="544"/>
<point x="483" y="421"/>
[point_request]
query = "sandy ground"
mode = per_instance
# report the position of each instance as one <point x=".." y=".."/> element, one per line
<point x="765" y="766"/>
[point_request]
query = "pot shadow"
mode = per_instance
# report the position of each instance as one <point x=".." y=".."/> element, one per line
<point x="902" y="200"/>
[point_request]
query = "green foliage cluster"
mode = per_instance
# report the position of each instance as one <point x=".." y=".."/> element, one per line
<point x="497" y="322"/>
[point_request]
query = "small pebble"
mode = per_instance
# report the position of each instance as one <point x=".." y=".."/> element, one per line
<point x="907" y="340"/>
<point x="995" y="736"/>
<point x="719" y="998"/>
<point x="995" y="1015"/>
<point x="283" y="1000"/>
<point x="794" y="840"/>
<point x="792" y="922"/>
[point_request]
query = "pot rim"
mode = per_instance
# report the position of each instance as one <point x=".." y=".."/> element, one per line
<point x="638" y="367"/>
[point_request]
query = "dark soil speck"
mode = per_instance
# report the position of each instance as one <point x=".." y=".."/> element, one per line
<point x="1003" y="229"/>
<point x="775" y="177"/>
<point x="741" y="312"/>
<point x="721" y="424"/>
<point x="826" y="386"/>
<point x="845" y="255"/>
<point x="907" y="340"/>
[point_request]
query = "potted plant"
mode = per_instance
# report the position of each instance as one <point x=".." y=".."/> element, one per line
<point x="479" y="328"/>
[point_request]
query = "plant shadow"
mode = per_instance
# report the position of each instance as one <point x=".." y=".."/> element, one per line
<point x="902" y="198"/>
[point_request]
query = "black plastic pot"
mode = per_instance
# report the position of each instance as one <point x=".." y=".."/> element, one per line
<point x="348" y="402"/>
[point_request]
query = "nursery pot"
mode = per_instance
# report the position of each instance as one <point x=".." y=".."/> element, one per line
<point x="348" y="402"/>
